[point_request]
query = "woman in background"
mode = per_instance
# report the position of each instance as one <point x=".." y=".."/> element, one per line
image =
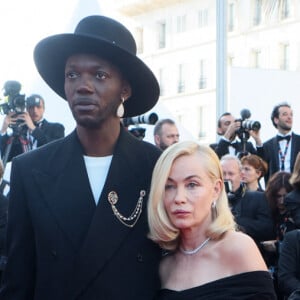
<point x="276" y="190"/>
<point x="189" y="217"/>
<point x="253" y="169"/>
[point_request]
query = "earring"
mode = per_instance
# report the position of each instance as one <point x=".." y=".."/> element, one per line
<point x="120" y="110"/>
<point x="214" y="212"/>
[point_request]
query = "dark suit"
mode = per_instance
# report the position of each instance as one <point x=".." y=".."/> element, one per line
<point x="3" y="224"/>
<point x="269" y="152"/>
<point x="61" y="245"/>
<point x="252" y="214"/>
<point x="289" y="263"/>
<point x="44" y="133"/>
<point x="222" y="149"/>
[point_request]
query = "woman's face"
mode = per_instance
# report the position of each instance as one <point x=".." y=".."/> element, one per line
<point x="190" y="192"/>
<point x="280" y="200"/>
<point x="249" y="173"/>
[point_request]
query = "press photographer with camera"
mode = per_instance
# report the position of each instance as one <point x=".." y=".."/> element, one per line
<point x="235" y="134"/>
<point x="24" y="128"/>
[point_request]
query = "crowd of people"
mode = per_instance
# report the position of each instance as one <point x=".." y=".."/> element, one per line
<point x="101" y="214"/>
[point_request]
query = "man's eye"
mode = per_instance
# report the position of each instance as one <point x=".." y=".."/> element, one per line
<point x="101" y="75"/>
<point x="71" y="74"/>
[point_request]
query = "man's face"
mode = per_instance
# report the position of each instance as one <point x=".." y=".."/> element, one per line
<point x="169" y="135"/>
<point x="225" y="122"/>
<point x="94" y="88"/>
<point x="285" y="119"/>
<point x="232" y="173"/>
<point x="36" y="112"/>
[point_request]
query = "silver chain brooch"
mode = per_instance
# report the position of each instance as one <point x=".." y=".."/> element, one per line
<point x="133" y="218"/>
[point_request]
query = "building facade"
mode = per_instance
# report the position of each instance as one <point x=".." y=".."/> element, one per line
<point x="177" y="39"/>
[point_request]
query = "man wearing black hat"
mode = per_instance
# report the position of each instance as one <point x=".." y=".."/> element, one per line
<point x="77" y="226"/>
<point x="29" y="129"/>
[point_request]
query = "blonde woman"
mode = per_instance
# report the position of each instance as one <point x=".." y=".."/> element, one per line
<point x="189" y="217"/>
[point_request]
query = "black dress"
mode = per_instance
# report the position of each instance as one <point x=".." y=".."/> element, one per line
<point x="256" y="285"/>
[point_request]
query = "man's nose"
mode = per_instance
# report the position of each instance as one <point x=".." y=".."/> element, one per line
<point x="85" y="84"/>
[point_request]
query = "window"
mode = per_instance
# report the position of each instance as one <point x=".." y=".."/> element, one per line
<point x="257" y="12"/>
<point x="284" y="56"/>
<point x="285" y="9"/>
<point x="202" y="72"/>
<point x="203" y="122"/>
<point x="181" y="83"/>
<point x="161" y="35"/>
<point x="256" y="58"/>
<point x="181" y="24"/>
<point x="230" y="60"/>
<point x="162" y="81"/>
<point x="139" y="40"/>
<point x="203" y="18"/>
<point x="231" y="17"/>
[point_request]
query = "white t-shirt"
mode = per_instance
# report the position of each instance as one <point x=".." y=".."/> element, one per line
<point x="97" y="169"/>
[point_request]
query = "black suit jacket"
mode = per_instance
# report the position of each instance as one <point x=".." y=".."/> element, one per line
<point x="253" y="215"/>
<point x="60" y="244"/>
<point x="44" y="133"/>
<point x="3" y="222"/>
<point x="221" y="148"/>
<point x="289" y="263"/>
<point x="269" y="152"/>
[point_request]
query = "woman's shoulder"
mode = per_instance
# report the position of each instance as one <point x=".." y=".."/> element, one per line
<point x="242" y="252"/>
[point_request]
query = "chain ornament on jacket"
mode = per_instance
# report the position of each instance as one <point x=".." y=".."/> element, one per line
<point x="133" y="218"/>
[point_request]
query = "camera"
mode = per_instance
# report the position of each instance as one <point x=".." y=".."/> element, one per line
<point x="15" y="102"/>
<point x="150" y="119"/>
<point x="228" y="186"/>
<point x="247" y="124"/>
<point x="137" y="131"/>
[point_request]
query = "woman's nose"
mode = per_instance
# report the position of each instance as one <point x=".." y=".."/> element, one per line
<point x="180" y="195"/>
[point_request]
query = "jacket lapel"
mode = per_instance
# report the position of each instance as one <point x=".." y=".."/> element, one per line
<point x="67" y="192"/>
<point x="107" y="232"/>
<point x="294" y="150"/>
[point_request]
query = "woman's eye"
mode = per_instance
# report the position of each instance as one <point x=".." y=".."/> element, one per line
<point x="169" y="186"/>
<point x="192" y="184"/>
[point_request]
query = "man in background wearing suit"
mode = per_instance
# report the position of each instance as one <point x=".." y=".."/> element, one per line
<point x="229" y="143"/>
<point x="30" y="129"/>
<point x="281" y="150"/>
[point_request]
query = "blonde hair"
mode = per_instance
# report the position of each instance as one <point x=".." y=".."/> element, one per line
<point x="162" y="230"/>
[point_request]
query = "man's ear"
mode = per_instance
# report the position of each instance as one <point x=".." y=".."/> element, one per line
<point x="219" y="131"/>
<point x="156" y="140"/>
<point x="126" y="90"/>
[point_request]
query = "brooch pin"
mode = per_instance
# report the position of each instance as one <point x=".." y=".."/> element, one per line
<point x="133" y="218"/>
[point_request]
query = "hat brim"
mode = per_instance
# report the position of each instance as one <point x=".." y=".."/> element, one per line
<point x="51" y="54"/>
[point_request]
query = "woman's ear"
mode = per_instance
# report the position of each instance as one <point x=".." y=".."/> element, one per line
<point x="218" y="185"/>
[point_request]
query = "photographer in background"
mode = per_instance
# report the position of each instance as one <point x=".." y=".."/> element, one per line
<point x="22" y="132"/>
<point x="234" y="138"/>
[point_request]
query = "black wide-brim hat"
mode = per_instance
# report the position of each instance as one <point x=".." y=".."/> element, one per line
<point x="109" y="40"/>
